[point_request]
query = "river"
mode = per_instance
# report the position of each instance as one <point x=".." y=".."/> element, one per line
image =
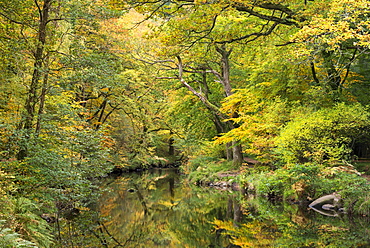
<point x="157" y="208"/>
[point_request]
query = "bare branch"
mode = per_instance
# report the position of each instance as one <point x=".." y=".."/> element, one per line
<point x="287" y="43"/>
<point x="279" y="7"/>
<point x="349" y="65"/>
<point x="275" y="19"/>
<point x="39" y="9"/>
<point x="151" y="14"/>
<point x="56" y="19"/>
<point x="246" y="37"/>
<point x="205" y="35"/>
<point x="10" y="19"/>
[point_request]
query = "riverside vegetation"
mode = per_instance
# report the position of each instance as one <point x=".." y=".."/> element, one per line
<point x="90" y="87"/>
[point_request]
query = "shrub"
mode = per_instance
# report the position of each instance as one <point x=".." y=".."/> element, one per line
<point x="208" y="169"/>
<point x="297" y="182"/>
<point x="323" y="136"/>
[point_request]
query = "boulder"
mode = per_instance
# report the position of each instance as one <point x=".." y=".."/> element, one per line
<point x="328" y="205"/>
<point x="333" y="199"/>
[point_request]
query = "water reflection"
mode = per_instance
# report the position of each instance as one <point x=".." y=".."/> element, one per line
<point x="157" y="209"/>
<point x="271" y="225"/>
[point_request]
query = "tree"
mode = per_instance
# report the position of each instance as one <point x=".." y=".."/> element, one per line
<point x="36" y="42"/>
<point x="335" y="38"/>
<point x="184" y="33"/>
<point x="59" y="154"/>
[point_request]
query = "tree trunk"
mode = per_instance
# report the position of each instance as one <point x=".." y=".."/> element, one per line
<point x="171" y="148"/>
<point x="32" y="96"/>
<point x="237" y="155"/>
<point x="44" y="90"/>
<point x="238" y="214"/>
<point x="234" y="150"/>
<point x="225" y="67"/>
<point x="102" y="110"/>
<point x="229" y="151"/>
<point x="39" y="73"/>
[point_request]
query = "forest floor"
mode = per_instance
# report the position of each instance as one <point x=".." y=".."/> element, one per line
<point x="366" y="176"/>
<point x="363" y="166"/>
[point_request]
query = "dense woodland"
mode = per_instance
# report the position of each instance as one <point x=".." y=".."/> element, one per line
<point x="87" y="87"/>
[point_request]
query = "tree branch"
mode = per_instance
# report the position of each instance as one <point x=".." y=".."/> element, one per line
<point x="348" y="66"/>
<point x="10" y="19"/>
<point x="278" y="20"/>
<point x="245" y="37"/>
<point x="39" y="9"/>
<point x="209" y="105"/>
<point x="314" y="75"/>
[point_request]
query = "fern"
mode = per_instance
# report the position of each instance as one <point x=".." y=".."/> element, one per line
<point x="21" y="213"/>
<point x="11" y="239"/>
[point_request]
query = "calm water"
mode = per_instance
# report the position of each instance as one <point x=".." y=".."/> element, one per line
<point x="158" y="209"/>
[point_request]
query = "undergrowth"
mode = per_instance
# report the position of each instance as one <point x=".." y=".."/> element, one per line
<point x="203" y="170"/>
<point x="306" y="182"/>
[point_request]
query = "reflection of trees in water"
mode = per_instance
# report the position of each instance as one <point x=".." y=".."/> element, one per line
<point x="158" y="210"/>
<point x="161" y="212"/>
<point x="234" y="210"/>
<point x="284" y="225"/>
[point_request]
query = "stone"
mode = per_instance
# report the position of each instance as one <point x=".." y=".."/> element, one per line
<point x="333" y="199"/>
